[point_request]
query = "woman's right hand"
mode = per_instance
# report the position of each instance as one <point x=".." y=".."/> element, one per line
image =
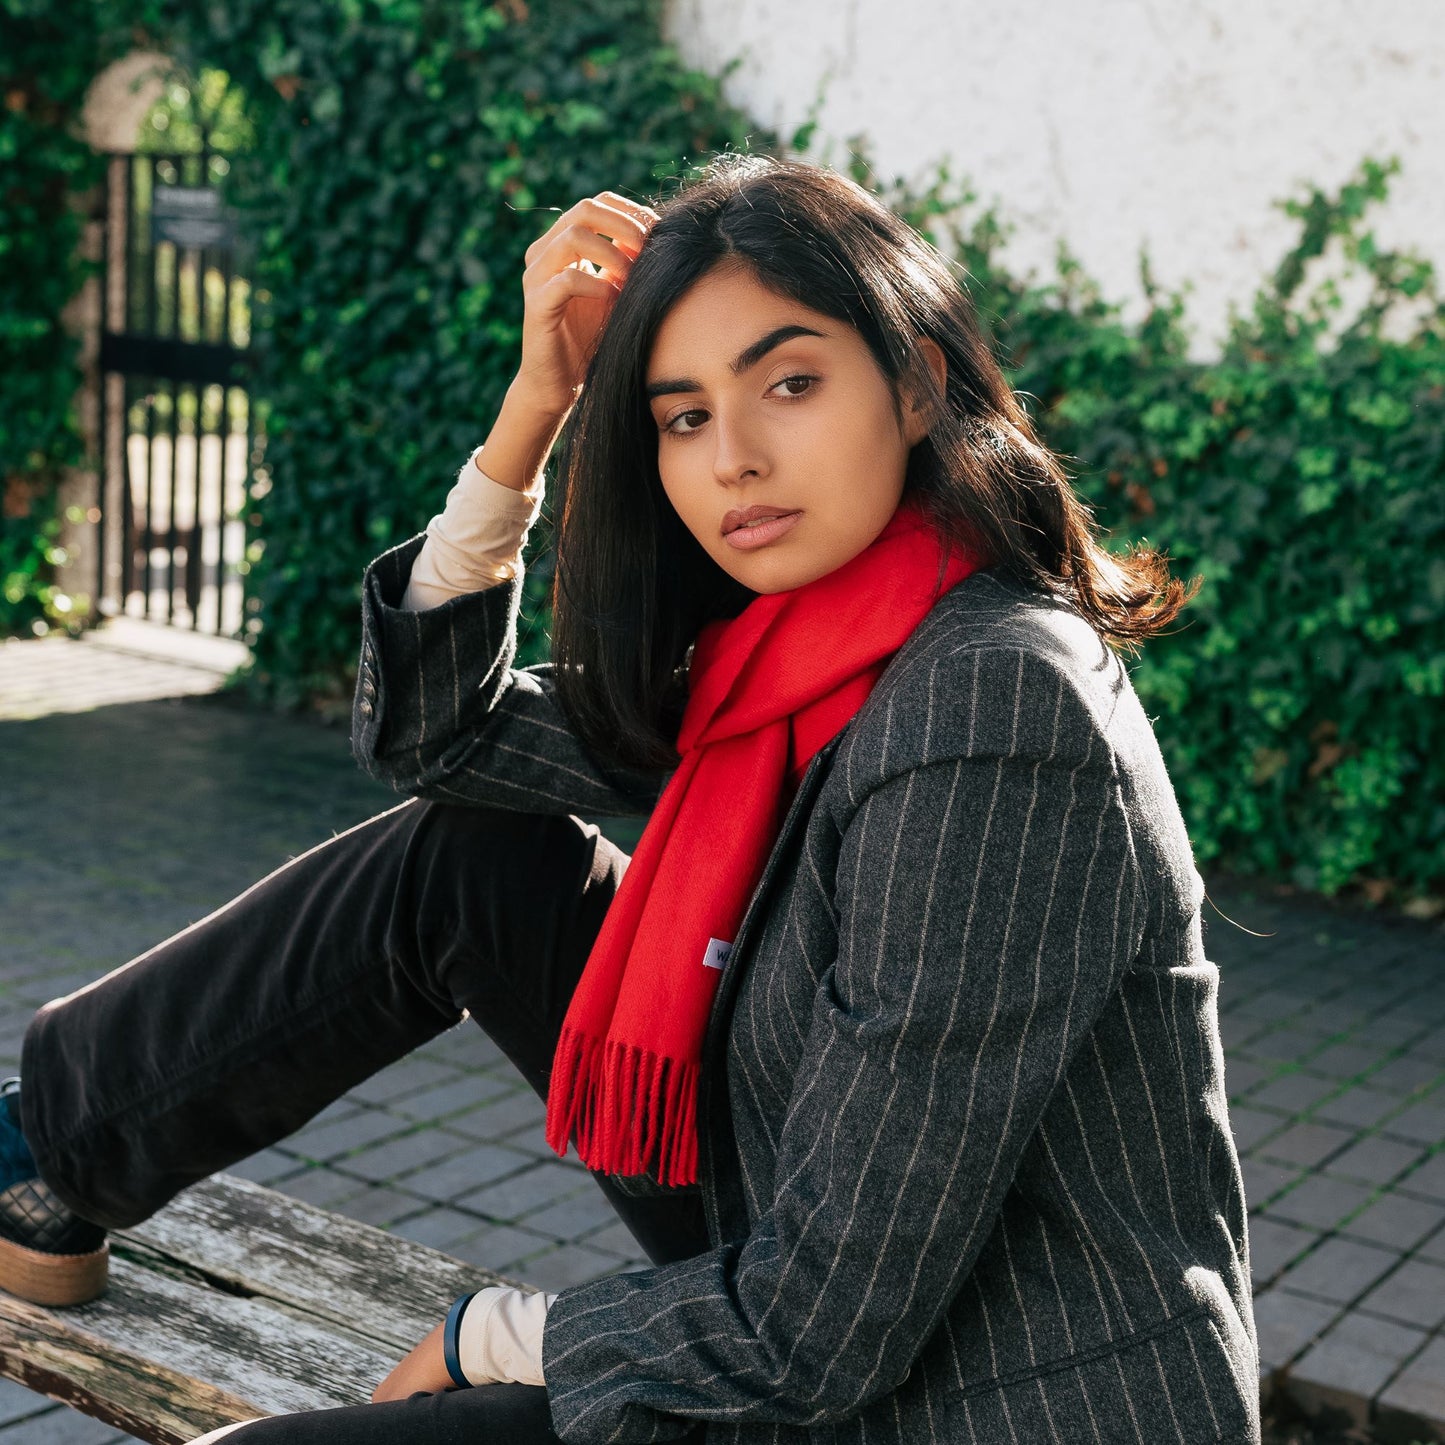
<point x="565" y="303"/>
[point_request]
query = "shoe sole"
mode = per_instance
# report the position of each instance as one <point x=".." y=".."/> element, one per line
<point x="53" y="1279"/>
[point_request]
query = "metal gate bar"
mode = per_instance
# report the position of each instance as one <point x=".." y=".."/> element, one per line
<point x="181" y="493"/>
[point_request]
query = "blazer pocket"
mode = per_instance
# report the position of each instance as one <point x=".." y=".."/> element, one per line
<point x="1181" y="1381"/>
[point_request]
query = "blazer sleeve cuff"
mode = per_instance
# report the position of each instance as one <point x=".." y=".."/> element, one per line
<point x="424" y="675"/>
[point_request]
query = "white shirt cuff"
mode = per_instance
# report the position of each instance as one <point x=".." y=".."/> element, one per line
<point x="500" y="1339"/>
<point x="476" y="541"/>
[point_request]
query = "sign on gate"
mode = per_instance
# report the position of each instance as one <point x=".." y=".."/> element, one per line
<point x="190" y="216"/>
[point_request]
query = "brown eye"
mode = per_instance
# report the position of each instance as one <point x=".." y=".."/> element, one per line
<point x="788" y="381"/>
<point x="677" y="431"/>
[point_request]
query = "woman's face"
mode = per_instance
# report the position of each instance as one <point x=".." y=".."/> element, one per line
<point x="761" y="401"/>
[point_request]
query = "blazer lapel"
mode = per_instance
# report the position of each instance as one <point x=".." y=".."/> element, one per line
<point x="722" y="1191"/>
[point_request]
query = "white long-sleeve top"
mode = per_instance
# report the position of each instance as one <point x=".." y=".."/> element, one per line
<point x="476" y="541"/>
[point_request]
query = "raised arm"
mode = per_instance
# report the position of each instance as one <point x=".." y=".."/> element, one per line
<point x="439" y="711"/>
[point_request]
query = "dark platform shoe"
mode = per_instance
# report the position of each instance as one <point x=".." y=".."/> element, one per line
<point x="49" y="1255"/>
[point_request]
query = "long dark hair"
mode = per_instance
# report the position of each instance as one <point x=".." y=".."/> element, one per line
<point x="633" y="585"/>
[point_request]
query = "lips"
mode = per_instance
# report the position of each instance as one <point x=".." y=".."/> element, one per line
<point x="738" y="516"/>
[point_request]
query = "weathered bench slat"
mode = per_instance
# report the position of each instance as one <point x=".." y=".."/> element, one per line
<point x="155" y="1402"/>
<point x="242" y="1236"/>
<point x="234" y="1301"/>
<point x="135" y="1359"/>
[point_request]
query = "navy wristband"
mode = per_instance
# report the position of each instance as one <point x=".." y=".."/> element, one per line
<point x="449" y="1338"/>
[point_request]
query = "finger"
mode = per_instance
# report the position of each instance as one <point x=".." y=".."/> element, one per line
<point x="571" y="282"/>
<point x="639" y="210"/>
<point x="627" y="224"/>
<point x="579" y="243"/>
<point x="612" y="210"/>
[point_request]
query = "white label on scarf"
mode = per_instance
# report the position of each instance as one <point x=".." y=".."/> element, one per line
<point x="717" y="953"/>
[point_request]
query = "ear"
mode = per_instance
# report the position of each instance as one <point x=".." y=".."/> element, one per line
<point x="916" y="408"/>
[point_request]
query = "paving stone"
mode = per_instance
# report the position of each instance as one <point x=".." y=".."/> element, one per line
<point x="1412" y="1405"/>
<point x="380" y="1206"/>
<point x="569" y="1265"/>
<point x="479" y="1165"/>
<point x="343" y="1108"/>
<point x="467" y="1046"/>
<point x="1414" y="1294"/>
<point x="571" y="1217"/>
<point x="1263" y="1180"/>
<point x="1286" y="1323"/>
<point x="343" y="1136"/>
<point x="439" y="1227"/>
<point x="1428" y="1179"/>
<point x="616" y="1238"/>
<point x="1432" y="1044"/>
<point x="1387" y="1031"/>
<point x="16" y="1402"/>
<point x="1237" y="1028"/>
<point x="1375" y="1159"/>
<point x="532" y="1189"/>
<point x="502" y="1248"/>
<point x="1286" y="1044"/>
<point x="1340" y="1269"/>
<point x="1250" y="1125"/>
<point x="1307" y="1144"/>
<point x="408" y="1077"/>
<point x="1433" y="1247"/>
<point x="1360" y="1106"/>
<point x="1350" y="1364"/>
<point x="1294" y="1092"/>
<point x="1408" y="1074"/>
<point x="61" y="1427"/>
<point x="1424" y="1123"/>
<point x="396" y="1156"/>
<point x="268" y="1166"/>
<point x="1241" y="1075"/>
<point x="464" y="1092"/>
<point x="1345" y="1060"/>
<point x="504" y="1071"/>
<point x="1320" y="1201"/>
<point x="1273" y="1243"/>
<point x="1397" y="1220"/>
<point x="510" y="1114"/>
<point x="1336" y="1016"/>
<point x="320" y="1186"/>
<point x="1278" y="1004"/>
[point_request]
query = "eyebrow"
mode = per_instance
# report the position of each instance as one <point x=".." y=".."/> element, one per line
<point x="748" y="356"/>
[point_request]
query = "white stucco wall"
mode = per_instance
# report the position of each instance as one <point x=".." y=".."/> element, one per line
<point x="1115" y="124"/>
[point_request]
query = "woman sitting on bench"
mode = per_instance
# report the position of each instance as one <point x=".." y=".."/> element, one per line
<point x="894" y="1042"/>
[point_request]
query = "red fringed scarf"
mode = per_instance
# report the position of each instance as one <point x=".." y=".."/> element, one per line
<point x="766" y="690"/>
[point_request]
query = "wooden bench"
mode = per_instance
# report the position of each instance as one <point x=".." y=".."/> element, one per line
<point x="231" y="1302"/>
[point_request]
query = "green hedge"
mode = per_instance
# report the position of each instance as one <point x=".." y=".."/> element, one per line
<point x="46" y="64"/>
<point x="400" y="150"/>
<point x="1302" y="474"/>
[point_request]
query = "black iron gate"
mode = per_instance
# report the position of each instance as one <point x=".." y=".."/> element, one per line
<point x="180" y="442"/>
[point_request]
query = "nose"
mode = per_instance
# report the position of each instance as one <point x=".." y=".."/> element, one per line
<point x="738" y="451"/>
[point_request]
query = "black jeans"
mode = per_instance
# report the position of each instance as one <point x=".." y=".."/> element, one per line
<point x="233" y="1033"/>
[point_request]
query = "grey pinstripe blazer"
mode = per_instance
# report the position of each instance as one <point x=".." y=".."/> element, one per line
<point x="965" y="1156"/>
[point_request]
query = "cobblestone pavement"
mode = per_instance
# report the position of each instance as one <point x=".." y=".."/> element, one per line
<point x="123" y="821"/>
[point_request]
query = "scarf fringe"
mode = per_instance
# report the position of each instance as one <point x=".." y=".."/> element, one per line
<point x="618" y="1098"/>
